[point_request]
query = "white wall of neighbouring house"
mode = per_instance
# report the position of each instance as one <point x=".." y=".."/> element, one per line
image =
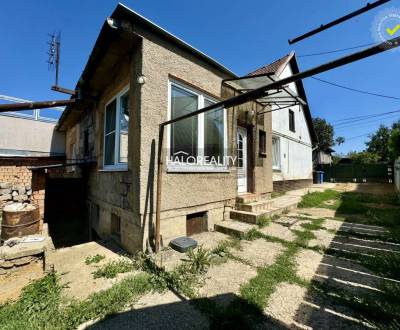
<point x="295" y="148"/>
<point x="24" y="136"/>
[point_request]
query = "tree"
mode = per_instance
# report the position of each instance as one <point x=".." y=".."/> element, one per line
<point x="363" y="157"/>
<point x="379" y="143"/>
<point x="339" y="140"/>
<point x="394" y="143"/>
<point x="324" y="132"/>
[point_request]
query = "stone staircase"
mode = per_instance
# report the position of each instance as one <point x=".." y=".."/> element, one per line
<point x="250" y="208"/>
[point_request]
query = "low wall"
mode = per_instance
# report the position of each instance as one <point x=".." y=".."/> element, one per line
<point x="286" y="185"/>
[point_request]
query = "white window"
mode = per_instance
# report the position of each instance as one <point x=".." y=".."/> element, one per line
<point x="198" y="143"/>
<point x="116" y="122"/>
<point x="276" y="153"/>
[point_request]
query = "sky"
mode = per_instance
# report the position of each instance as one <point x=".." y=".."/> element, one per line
<point x="242" y="35"/>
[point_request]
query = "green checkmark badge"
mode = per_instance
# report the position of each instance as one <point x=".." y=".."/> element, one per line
<point x="394" y="30"/>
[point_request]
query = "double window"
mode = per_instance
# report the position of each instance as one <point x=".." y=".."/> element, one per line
<point x="199" y="142"/>
<point x="116" y="131"/>
<point x="276" y="153"/>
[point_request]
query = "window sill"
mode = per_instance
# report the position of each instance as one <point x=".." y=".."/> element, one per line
<point x="276" y="170"/>
<point x="114" y="169"/>
<point x="198" y="169"/>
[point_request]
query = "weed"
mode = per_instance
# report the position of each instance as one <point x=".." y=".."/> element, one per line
<point x="263" y="221"/>
<point x="317" y="199"/>
<point x="94" y="259"/>
<point x="113" y="268"/>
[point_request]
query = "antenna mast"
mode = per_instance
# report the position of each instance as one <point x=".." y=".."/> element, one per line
<point x="54" y="62"/>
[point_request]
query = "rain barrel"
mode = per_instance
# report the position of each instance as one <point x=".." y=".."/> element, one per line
<point x="20" y="220"/>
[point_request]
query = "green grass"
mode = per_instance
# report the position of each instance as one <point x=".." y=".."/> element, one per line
<point x="263" y="221"/>
<point x="94" y="259"/>
<point x="113" y="268"/>
<point x="317" y="199"/>
<point x="276" y="194"/>
<point x="41" y="305"/>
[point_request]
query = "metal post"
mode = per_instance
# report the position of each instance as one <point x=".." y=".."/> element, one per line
<point x="159" y="185"/>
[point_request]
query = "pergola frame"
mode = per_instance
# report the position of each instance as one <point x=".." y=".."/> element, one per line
<point x="253" y="95"/>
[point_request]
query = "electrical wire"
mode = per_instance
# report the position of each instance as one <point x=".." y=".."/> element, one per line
<point x="356" y="90"/>
<point x="339" y="121"/>
<point x="363" y="120"/>
<point x="366" y="122"/>
<point x="336" y="51"/>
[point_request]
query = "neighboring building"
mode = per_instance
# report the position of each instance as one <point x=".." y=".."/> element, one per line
<point x="293" y="131"/>
<point x="323" y="157"/>
<point x="27" y="138"/>
<point x="136" y="79"/>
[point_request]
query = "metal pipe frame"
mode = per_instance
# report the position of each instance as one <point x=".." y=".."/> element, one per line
<point x="35" y="105"/>
<point x="342" y="19"/>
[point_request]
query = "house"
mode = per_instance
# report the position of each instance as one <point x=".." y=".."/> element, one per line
<point x="324" y="157"/>
<point x="139" y="76"/>
<point x="293" y="134"/>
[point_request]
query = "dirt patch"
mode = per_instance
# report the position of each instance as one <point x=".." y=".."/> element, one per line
<point x="259" y="252"/>
<point x="279" y="231"/>
<point x="224" y="281"/>
<point x="332" y="224"/>
<point x="323" y="238"/>
<point x="12" y="284"/>
<point x="156" y="311"/>
<point x="307" y="263"/>
<point x="319" y="212"/>
<point x="330" y="202"/>
<point x="369" y="188"/>
<point x="285" y="302"/>
<point x="70" y="264"/>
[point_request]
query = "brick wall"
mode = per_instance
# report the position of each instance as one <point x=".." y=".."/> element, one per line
<point x="282" y="186"/>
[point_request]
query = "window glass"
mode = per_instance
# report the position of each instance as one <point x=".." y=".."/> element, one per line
<point x="275" y="153"/>
<point x="291" y="121"/>
<point x="123" y="128"/>
<point x="214" y="133"/>
<point x="109" y="142"/>
<point x="183" y="133"/>
<point x="240" y="151"/>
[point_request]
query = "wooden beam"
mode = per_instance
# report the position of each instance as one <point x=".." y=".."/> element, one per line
<point x="36" y="105"/>
<point x="63" y="90"/>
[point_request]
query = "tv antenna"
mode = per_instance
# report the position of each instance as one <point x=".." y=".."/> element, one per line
<point x="54" y="61"/>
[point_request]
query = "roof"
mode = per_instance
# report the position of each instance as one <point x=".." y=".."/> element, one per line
<point x="277" y="68"/>
<point x="123" y="12"/>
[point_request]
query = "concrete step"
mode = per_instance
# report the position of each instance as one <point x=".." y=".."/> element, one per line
<point x="246" y="198"/>
<point x="233" y="228"/>
<point x="252" y="217"/>
<point x="255" y="206"/>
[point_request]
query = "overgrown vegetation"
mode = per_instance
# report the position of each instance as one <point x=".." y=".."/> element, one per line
<point x="113" y="268"/>
<point x="41" y="305"/>
<point x="94" y="259"/>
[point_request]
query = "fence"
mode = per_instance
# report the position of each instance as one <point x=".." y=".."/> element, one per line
<point x="397" y="174"/>
<point x="381" y="172"/>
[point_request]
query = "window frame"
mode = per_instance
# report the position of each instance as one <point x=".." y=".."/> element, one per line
<point x="201" y="97"/>
<point x="278" y="166"/>
<point x="292" y="114"/>
<point x="117" y="164"/>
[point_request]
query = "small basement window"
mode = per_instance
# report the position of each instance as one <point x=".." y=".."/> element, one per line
<point x="115" y="225"/>
<point x="262" y="143"/>
<point x="196" y="223"/>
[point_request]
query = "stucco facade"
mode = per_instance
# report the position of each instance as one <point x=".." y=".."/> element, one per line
<point x="130" y="193"/>
<point x="295" y="147"/>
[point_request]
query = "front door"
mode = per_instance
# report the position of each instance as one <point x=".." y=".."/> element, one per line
<point x="242" y="159"/>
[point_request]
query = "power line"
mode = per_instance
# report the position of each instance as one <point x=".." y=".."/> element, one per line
<point x="358" y="136"/>
<point x="356" y="90"/>
<point x="363" y="116"/>
<point x="336" y="51"/>
<point x="354" y="120"/>
<point x="366" y="122"/>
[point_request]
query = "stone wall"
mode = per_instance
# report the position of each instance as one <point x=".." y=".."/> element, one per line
<point x="17" y="192"/>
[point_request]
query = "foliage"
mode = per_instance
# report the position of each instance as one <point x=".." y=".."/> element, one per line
<point x="394" y="143"/>
<point x="263" y="221"/>
<point x="363" y="157"/>
<point x="94" y="259"/>
<point x="324" y="132"/>
<point x="42" y="307"/>
<point x="113" y="268"/>
<point x="316" y="199"/>
<point x="339" y="140"/>
<point x="379" y="143"/>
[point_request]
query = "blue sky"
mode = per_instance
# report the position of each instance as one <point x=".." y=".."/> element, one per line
<point x="241" y="35"/>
